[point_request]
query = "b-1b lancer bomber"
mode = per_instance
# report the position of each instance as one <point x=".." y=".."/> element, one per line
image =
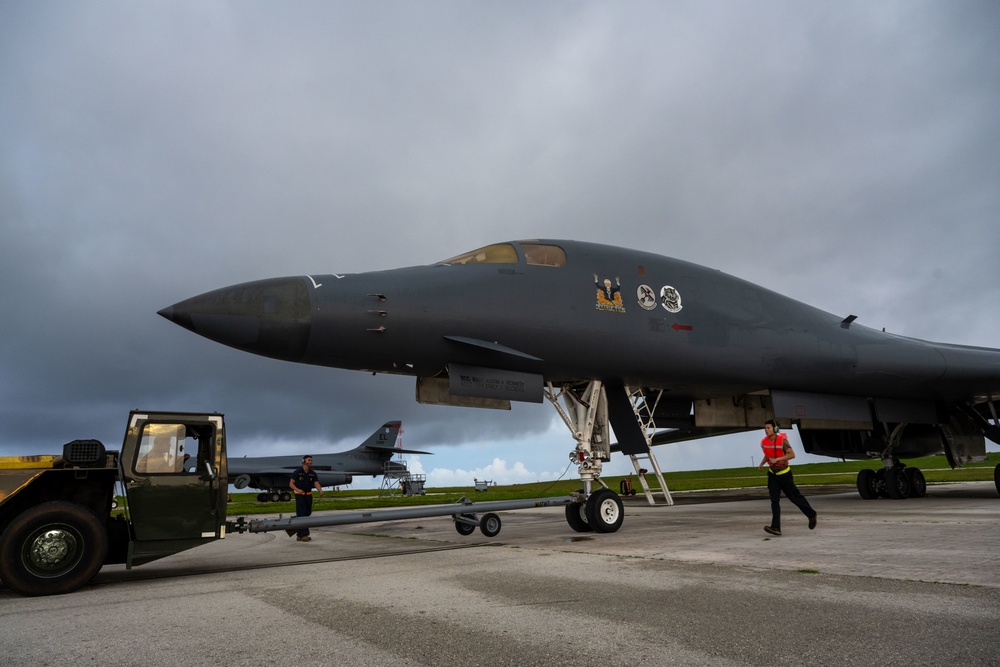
<point x="373" y="457"/>
<point x="660" y="349"/>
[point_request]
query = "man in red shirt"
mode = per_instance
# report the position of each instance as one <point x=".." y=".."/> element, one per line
<point x="777" y="454"/>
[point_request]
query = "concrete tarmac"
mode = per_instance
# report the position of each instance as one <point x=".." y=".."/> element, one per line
<point x="911" y="582"/>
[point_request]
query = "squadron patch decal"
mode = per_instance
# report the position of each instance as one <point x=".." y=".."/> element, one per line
<point x="670" y="299"/>
<point x="646" y="297"/>
<point x="609" y="297"/>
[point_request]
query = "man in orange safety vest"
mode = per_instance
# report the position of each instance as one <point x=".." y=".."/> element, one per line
<point x="777" y="454"/>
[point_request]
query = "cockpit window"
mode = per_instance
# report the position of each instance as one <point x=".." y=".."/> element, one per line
<point x="500" y="253"/>
<point x="539" y="254"/>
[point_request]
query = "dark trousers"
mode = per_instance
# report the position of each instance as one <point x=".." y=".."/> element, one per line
<point x="776" y="484"/>
<point x="303" y="507"/>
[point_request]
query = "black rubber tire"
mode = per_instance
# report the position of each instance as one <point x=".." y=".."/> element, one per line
<point x="867" y="484"/>
<point x="465" y="528"/>
<point x="274" y="497"/>
<point x="996" y="477"/>
<point x="286" y="496"/>
<point x="880" y="483"/>
<point x="605" y="512"/>
<point x="576" y="517"/>
<point x="490" y="524"/>
<point x="897" y="484"/>
<point x="918" y="485"/>
<point x="262" y="497"/>
<point x="51" y="549"/>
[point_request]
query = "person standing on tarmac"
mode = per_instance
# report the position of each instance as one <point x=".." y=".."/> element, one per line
<point x="302" y="483"/>
<point x="777" y="454"/>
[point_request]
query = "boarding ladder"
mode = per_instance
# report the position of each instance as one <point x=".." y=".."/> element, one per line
<point x="394" y="476"/>
<point x="644" y="413"/>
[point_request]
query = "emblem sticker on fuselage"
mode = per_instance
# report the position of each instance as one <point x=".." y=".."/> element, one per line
<point x="609" y="296"/>
<point x="646" y="297"/>
<point x="670" y="299"/>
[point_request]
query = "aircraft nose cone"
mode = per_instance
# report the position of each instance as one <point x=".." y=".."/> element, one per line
<point x="271" y="318"/>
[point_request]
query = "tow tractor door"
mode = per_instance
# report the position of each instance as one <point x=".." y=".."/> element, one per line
<point x="175" y="482"/>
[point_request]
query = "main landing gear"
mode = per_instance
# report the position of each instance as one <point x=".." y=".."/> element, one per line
<point x="897" y="482"/>
<point x="585" y="412"/>
<point x="274" y="496"/>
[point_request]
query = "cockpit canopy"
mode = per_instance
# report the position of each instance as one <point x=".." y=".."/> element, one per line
<point x="535" y="254"/>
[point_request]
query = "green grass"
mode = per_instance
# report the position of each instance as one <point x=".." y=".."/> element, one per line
<point x="935" y="469"/>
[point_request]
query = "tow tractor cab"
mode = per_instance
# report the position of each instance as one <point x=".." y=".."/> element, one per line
<point x="57" y="526"/>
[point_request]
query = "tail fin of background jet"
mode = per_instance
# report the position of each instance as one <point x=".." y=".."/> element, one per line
<point x="383" y="441"/>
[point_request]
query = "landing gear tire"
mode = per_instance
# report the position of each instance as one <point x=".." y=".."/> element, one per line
<point x="996" y="477"/>
<point x="880" y="483"/>
<point x="576" y="517"/>
<point x="490" y="524"/>
<point x="897" y="484"/>
<point x="918" y="485"/>
<point x="261" y="497"/>
<point x="285" y="496"/>
<point x="867" y="484"/>
<point x="465" y="528"/>
<point x="52" y="549"/>
<point x="275" y="497"/>
<point x="605" y="511"/>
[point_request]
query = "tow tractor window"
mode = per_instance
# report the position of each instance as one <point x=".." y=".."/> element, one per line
<point x="500" y="253"/>
<point x="171" y="448"/>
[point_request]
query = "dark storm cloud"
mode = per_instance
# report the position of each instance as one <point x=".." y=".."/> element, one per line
<point x="841" y="153"/>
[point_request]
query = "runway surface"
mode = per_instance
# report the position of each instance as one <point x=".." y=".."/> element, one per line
<point x="912" y="582"/>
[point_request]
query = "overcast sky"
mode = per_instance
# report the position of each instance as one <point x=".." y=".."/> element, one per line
<point x="846" y="154"/>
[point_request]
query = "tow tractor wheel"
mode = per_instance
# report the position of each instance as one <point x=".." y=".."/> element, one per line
<point x="51" y="549"/>
<point x="897" y="484"/>
<point x="918" y="485"/>
<point x="465" y="528"/>
<point x="867" y="484"/>
<point x="490" y="524"/>
<point x="605" y="511"/>
<point x="576" y="517"/>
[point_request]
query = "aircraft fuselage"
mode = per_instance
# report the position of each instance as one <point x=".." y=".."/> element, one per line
<point x="646" y="320"/>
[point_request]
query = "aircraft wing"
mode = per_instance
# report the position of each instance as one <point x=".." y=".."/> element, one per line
<point x="393" y="450"/>
<point x="675" y="435"/>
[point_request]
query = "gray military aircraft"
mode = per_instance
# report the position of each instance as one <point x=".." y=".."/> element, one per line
<point x="373" y="457"/>
<point x="661" y="349"/>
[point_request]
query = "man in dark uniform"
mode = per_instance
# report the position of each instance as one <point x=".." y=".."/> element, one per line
<point x="302" y="482"/>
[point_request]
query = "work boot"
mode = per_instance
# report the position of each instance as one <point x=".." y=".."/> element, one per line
<point x="772" y="531"/>
<point x="812" y="522"/>
<point x="305" y="538"/>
